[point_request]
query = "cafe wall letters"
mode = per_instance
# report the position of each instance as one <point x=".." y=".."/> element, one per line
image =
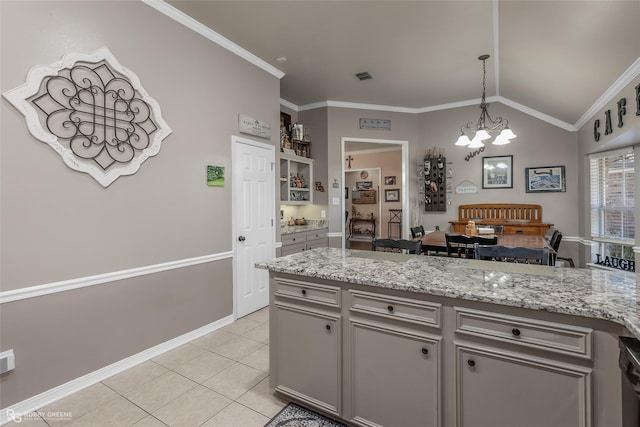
<point x="93" y="112"/>
<point x="620" y="116"/>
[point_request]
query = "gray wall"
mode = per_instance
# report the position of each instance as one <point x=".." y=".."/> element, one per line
<point x="58" y="224"/>
<point x="538" y="144"/>
<point x="626" y="136"/>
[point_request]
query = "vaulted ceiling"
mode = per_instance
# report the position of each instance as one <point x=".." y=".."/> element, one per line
<point x="553" y="59"/>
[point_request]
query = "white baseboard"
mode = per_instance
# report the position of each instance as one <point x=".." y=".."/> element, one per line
<point x="33" y="403"/>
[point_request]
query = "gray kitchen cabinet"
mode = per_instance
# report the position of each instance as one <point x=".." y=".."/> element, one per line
<point x="393" y="365"/>
<point x="293" y="243"/>
<point x="380" y="357"/>
<point x="306" y="342"/>
<point x="392" y="358"/>
<point x="524" y="390"/>
<point x="493" y="372"/>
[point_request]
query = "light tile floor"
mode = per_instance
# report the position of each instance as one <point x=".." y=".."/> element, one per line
<point x="218" y="380"/>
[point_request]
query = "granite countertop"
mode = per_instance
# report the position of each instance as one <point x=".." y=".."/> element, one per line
<point x="594" y="293"/>
<point x="312" y="225"/>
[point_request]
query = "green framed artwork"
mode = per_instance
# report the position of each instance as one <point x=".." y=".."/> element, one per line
<point x="215" y="176"/>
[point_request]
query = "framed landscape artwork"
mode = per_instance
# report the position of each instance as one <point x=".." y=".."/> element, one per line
<point x="392" y="195"/>
<point x="497" y="172"/>
<point x="547" y="179"/>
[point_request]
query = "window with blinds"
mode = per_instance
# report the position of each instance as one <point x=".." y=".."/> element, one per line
<point x="612" y="202"/>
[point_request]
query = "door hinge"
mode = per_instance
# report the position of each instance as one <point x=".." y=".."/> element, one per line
<point x="273" y="165"/>
<point x="272" y="222"/>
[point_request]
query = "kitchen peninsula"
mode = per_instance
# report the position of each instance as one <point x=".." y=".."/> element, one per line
<point x="375" y="338"/>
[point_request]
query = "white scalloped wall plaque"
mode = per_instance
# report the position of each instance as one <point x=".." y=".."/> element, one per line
<point x="93" y="112"/>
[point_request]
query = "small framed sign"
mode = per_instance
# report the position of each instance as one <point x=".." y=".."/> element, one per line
<point x="251" y="126"/>
<point x="376" y="124"/>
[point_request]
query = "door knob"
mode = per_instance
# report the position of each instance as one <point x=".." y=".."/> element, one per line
<point x="241" y="239"/>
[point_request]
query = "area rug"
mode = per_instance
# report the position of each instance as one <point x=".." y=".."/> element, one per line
<point x="293" y="415"/>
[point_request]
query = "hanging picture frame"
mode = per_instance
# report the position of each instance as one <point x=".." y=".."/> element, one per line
<point x="497" y="172"/>
<point x="392" y="195"/>
<point x="547" y="179"/>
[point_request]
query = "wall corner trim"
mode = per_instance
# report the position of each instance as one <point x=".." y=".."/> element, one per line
<point x="66" y="285"/>
<point x="33" y="403"/>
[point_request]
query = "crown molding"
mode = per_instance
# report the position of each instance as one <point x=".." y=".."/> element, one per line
<point x="537" y="114"/>
<point x="631" y="73"/>
<point x="175" y="14"/>
<point x="289" y="105"/>
<point x="459" y="104"/>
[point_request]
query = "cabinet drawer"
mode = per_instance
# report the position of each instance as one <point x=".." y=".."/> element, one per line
<point x="316" y="234"/>
<point x="290" y="239"/>
<point x="554" y="337"/>
<point x="515" y="229"/>
<point x="390" y="307"/>
<point x="318" y="243"/>
<point x="310" y="292"/>
<point x="293" y="249"/>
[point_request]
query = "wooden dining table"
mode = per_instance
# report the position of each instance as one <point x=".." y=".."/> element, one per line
<point x="435" y="241"/>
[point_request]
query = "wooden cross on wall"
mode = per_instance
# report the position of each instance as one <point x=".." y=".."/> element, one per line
<point x="349" y="159"/>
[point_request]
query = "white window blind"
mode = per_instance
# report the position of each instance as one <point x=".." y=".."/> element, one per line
<point x="613" y="197"/>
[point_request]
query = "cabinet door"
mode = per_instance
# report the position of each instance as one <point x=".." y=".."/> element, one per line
<point x="510" y="389"/>
<point x="395" y="376"/>
<point x="308" y="356"/>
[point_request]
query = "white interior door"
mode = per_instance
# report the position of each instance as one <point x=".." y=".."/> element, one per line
<point x="253" y="222"/>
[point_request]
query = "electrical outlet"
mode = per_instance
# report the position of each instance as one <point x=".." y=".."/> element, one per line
<point x="323" y="214"/>
<point x="7" y="361"/>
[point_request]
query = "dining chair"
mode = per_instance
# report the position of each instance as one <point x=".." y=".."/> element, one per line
<point x="417" y="231"/>
<point x="462" y="246"/>
<point x="556" y="238"/>
<point x="555" y="244"/>
<point x="515" y="254"/>
<point x="397" y="245"/>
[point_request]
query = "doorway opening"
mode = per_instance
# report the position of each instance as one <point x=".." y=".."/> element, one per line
<point x="388" y="159"/>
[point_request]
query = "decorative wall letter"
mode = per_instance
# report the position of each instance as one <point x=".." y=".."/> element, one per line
<point x="94" y="112"/>
<point x="622" y="111"/>
<point x="608" y="130"/>
<point x="596" y="134"/>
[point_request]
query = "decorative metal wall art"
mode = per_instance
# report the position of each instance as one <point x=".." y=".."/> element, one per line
<point x="93" y="112"/>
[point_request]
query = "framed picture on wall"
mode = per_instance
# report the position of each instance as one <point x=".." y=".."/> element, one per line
<point x="392" y="195"/>
<point x="389" y="180"/>
<point x="547" y="179"/>
<point x="497" y="172"/>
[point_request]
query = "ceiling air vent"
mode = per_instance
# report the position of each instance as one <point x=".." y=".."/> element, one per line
<point x="363" y="76"/>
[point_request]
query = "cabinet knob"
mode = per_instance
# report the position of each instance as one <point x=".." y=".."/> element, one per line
<point x="515" y="332"/>
<point x="241" y="238"/>
<point x="390" y="308"/>
<point x="304" y="292"/>
<point x="328" y="327"/>
<point x="471" y="362"/>
<point x="425" y="350"/>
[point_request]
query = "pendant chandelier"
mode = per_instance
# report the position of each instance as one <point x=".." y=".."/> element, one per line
<point x="482" y="129"/>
